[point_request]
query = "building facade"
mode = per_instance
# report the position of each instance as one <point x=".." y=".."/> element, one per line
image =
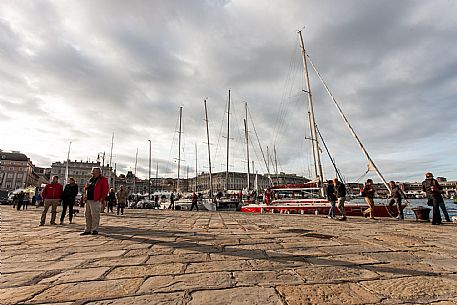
<point x="79" y="170"/>
<point x="16" y="171"/>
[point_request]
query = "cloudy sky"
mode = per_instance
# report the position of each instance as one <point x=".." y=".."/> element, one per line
<point x="80" y="70"/>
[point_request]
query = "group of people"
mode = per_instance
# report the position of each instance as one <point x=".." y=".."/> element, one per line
<point x="336" y="193"/>
<point x="96" y="195"/>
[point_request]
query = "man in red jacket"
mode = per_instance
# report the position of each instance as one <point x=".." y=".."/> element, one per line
<point x="51" y="195"/>
<point x="95" y="192"/>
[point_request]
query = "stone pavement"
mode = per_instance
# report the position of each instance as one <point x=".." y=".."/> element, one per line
<point x="181" y="257"/>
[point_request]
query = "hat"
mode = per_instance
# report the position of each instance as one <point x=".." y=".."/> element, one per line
<point x="428" y="174"/>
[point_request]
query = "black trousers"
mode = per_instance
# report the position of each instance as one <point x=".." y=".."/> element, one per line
<point x="436" y="216"/>
<point x="66" y="205"/>
<point x="194" y="204"/>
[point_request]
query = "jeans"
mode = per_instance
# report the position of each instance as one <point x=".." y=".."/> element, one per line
<point x="443" y="208"/>
<point x="332" y="211"/>
<point x="341" y="201"/>
<point x="436" y="217"/>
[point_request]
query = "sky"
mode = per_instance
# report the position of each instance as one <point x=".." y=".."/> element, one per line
<point x="79" y="71"/>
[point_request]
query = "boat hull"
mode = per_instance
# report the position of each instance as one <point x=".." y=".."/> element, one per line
<point x="320" y="208"/>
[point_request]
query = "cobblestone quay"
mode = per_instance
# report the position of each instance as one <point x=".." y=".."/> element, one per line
<point x="179" y="257"/>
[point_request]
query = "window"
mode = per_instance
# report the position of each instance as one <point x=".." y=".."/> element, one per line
<point x="10" y="175"/>
<point x="21" y="169"/>
<point x="19" y="176"/>
<point x="11" y="169"/>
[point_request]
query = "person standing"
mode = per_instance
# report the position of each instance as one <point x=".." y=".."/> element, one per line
<point x="172" y="201"/>
<point x="20" y="200"/>
<point x="331" y="198"/>
<point x="51" y="195"/>
<point x="96" y="190"/>
<point x="340" y="192"/>
<point x="68" y="199"/>
<point x="194" y="201"/>
<point x="122" y="195"/>
<point x="396" y="195"/>
<point x="433" y="191"/>
<point x="111" y="200"/>
<point x="368" y="192"/>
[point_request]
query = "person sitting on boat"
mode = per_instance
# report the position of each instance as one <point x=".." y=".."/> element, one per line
<point x="396" y="195"/>
<point x="368" y="192"/>
<point x="340" y="192"/>
<point x="331" y="196"/>
<point x="267" y="196"/>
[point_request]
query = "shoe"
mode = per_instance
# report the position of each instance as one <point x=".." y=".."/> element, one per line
<point x="53" y="223"/>
<point x="41" y="224"/>
<point x="342" y="218"/>
<point x="61" y="223"/>
<point x="94" y="232"/>
<point x="329" y="217"/>
<point x="372" y="218"/>
<point x="85" y="233"/>
<point x="71" y="222"/>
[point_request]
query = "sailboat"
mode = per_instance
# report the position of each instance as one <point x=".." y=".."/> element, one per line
<point x="309" y="198"/>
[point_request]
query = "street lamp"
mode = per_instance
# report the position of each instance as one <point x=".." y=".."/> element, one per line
<point x="149" y="177"/>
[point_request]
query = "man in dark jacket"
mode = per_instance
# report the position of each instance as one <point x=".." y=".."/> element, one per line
<point x="68" y="199"/>
<point x="332" y="199"/>
<point x="433" y="190"/>
<point x="340" y="192"/>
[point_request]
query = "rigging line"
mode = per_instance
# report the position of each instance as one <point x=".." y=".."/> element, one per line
<point x="220" y="133"/>
<point x="261" y="149"/>
<point x="286" y="86"/>
<point x="338" y="173"/>
<point x="370" y="161"/>
<point x="167" y="168"/>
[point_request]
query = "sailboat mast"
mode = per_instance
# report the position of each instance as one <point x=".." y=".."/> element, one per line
<point x="179" y="147"/>
<point x="66" y="166"/>
<point x="134" y="175"/>
<point x="196" y="168"/>
<point x="317" y="158"/>
<point x="228" y="144"/>
<point x="209" y="154"/>
<point x="247" y="144"/>
<point x="276" y="161"/>
<point x="365" y="152"/>
<point x="111" y="160"/>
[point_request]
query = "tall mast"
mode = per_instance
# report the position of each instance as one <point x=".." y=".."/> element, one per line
<point x="157" y="175"/>
<point x="111" y="160"/>
<point x="209" y="153"/>
<point x="316" y="153"/>
<point x="247" y="143"/>
<point x="179" y="147"/>
<point x="276" y="161"/>
<point x="228" y="144"/>
<point x="196" y="168"/>
<point x="134" y="178"/>
<point x="68" y="161"/>
<point x="365" y="152"/>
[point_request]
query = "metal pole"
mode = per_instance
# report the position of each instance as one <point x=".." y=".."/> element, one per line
<point x="68" y="161"/>
<point x="179" y="147"/>
<point x="149" y="176"/>
<point x="209" y="154"/>
<point x="228" y="144"/>
<point x="111" y="159"/>
<point x="134" y="178"/>
<point x="157" y="176"/>
<point x="196" y="168"/>
<point x="247" y="144"/>
<point x="317" y="158"/>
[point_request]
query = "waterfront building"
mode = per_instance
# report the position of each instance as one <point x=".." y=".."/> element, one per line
<point x="79" y="170"/>
<point x="16" y="171"/>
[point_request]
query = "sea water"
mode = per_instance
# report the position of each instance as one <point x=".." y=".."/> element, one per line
<point x="414" y="203"/>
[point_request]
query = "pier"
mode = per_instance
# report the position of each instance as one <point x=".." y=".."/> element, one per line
<point x="180" y="257"/>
